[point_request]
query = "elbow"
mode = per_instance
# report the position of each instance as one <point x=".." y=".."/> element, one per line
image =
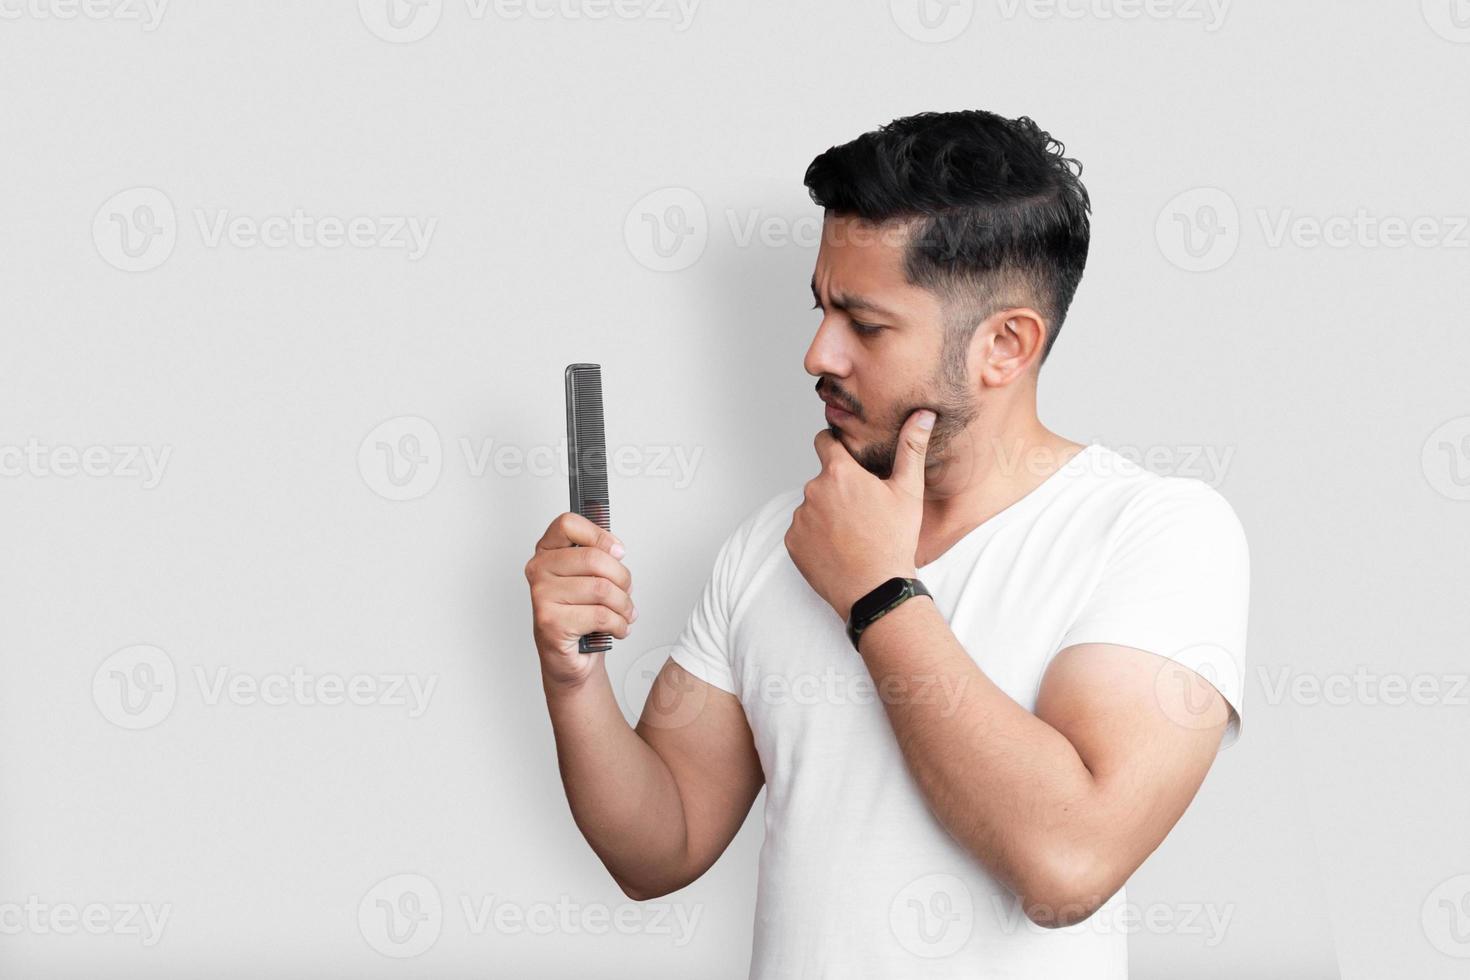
<point x="636" y="893"/>
<point x="632" y="892"/>
<point x="1065" y="889"/>
<point x="1060" y="910"/>
<point x="644" y="893"/>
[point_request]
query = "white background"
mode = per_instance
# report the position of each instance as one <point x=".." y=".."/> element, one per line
<point x="1322" y="375"/>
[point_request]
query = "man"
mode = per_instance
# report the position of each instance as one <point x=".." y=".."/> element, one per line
<point x="965" y="765"/>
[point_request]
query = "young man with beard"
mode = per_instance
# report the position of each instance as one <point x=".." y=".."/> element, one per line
<point x="982" y="669"/>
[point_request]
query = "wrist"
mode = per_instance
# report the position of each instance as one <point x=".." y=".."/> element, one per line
<point x="879" y="603"/>
<point x="569" y="684"/>
<point x="867" y="583"/>
<point x="894" y="620"/>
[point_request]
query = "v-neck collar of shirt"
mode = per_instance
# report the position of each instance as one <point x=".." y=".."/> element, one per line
<point x="1029" y="501"/>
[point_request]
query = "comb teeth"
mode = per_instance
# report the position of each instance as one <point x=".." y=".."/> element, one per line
<point x="587" y="463"/>
<point x="587" y="444"/>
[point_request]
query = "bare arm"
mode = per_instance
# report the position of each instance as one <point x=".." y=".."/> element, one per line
<point x="659" y="803"/>
<point x="1061" y="805"/>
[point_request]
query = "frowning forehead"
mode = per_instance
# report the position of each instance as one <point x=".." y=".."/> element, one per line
<point x="851" y="302"/>
<point x="860" y="270"/>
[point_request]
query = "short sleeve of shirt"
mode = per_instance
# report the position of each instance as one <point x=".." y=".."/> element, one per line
<point x="703" y="647"/>
<point x="1176" y="583"/>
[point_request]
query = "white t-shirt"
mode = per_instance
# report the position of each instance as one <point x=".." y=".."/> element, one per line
<point x="858" y="879"/>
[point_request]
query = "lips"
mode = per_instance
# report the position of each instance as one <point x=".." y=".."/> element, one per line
<point x="836" y="413"/>
<point x="833" y="402"/>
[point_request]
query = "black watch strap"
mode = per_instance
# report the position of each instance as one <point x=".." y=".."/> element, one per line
<point x="879" y="602"/>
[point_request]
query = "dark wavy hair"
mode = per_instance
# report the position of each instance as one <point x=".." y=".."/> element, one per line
<point x="998" y="217"/>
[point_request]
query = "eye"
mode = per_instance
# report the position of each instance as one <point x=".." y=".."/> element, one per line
<point x="862" y="329"/>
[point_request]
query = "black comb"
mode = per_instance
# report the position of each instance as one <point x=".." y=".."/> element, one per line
<point x="587" y="463"/>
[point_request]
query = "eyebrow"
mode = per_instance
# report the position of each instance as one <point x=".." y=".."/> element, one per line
<point x="848" y="301"/>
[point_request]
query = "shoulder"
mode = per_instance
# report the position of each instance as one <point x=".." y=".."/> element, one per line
<point x="1136" y="501"/>
<point x="763" y="527"/>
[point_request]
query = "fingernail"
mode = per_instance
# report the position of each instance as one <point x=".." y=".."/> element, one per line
<point x="618" y="551"/>
<point x="926" y="420"/>
<point x="634" y="618"/>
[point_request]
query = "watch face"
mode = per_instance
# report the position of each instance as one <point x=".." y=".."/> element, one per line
<point x="881" y="597"/>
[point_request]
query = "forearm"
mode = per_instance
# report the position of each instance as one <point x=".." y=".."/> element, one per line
<point x="622" y="795"/>
<point x="1006" y="785"/>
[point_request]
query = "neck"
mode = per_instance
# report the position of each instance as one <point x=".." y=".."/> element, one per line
<point x="989" y="466"/>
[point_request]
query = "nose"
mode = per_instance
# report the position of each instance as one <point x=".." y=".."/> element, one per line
<point x="826" y="355"/>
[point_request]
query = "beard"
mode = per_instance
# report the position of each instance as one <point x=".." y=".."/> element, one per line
<point x="954" y="407"/>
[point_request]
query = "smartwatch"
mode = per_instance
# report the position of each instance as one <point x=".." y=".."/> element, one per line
<point x="882" y="600"/>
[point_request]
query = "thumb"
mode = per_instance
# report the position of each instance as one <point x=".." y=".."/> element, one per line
<point x="913" y="444"/>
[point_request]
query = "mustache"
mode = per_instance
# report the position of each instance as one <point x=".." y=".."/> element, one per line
<point x="838" y="397"/>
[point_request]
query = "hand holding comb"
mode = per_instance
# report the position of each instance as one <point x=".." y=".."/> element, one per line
<point x="587" y="463"/>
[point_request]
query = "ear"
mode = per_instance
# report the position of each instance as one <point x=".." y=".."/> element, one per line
<point x="1010" y="345"/>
